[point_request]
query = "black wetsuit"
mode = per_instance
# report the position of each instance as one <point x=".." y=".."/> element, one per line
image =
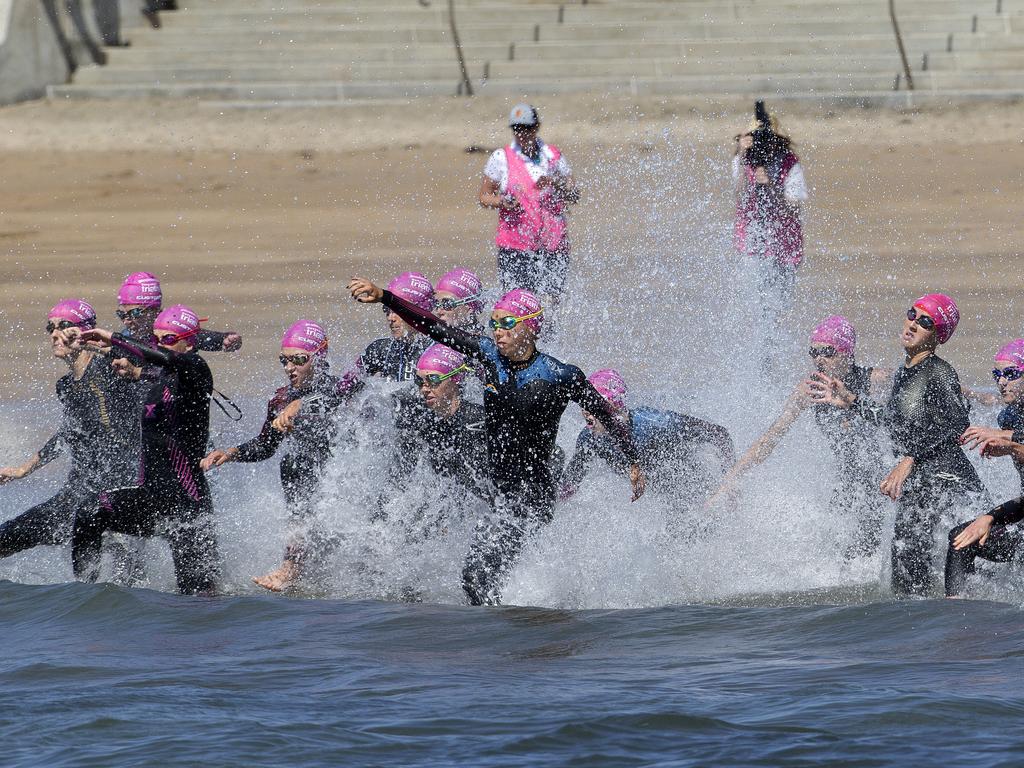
<point x="523" y="404"/>
<point x="925" y="415"/>
<point x="174" y="499"/>
<point x="857" y="449"/>
<point x="99" y="430"/>
<point x="667" y="443"/>
<point x="206" y="341"/>
<point x="393" y="359"/>
<point x="453" y="447"/>
<point x="1003" y="542"/>
<point x="309" y="446"/>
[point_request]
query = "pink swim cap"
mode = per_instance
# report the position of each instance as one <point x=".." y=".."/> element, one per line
<point x="611" y="386"/>
<point x="462" y="284"/>
<point x="75" y="311"/>
<point x="522" y="303"/>
<point x="441" y="359"/>
<point x="944" y="312"/>
<point x="307" y="336"/>
<point x="140" y="288"/>
<point x="179" y="320"/>
<point x="837" y="332"/>
<point x="414" y="288"/>
<point x="1012" y="353"/>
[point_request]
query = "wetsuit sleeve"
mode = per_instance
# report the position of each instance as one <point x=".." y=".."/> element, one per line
<point x="694" y="430"/>
<point x="579" y="464"/>
<point x="946" y="416"/>
<point x="1008" y="513"/>
<point x="211" y="341"/>
<point x="427" y="323"/>
<point x="52" y="448"/>
<point x="589" y="399"/>
<point x="265" y="444"/>
<point x="147" y="354"/>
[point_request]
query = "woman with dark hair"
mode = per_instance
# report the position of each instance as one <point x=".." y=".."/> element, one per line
<point x="925" y="415"/>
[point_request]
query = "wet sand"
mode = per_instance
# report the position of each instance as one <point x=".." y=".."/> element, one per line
<point x="258" y="217"/>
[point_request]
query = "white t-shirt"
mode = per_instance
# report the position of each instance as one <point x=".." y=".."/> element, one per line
<point x="795" y="186"/>
<point x="497" y="165"/>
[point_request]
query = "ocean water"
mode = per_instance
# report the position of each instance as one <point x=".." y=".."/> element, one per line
<point x="97" y="675"/>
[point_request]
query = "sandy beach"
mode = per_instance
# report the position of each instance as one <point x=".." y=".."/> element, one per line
<point x="256" y="217"/>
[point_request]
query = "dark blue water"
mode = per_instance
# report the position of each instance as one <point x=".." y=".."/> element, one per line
<point x="102" y="676"/>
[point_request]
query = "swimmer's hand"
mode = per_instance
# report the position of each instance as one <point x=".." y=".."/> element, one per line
<point x="7" y="474"/>
<point x="364" y="291"/>
<point x="217" y="458"/>
<point x="975" y="532"/>
<point x="232" y="342"/>
<point x="96" y="337"/>
<point x="761" y="175"/>
<point x="974" y="436"/>
<point x="892" y="486"/>
<point x="827" y="390"/>
<point x="123" y="367"/>
<point x="638" y="480"/>
<point x="285" y="421"/>
<point x="998" y="445"/>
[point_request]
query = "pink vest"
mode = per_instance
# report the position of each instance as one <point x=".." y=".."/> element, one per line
<point x="770" y="231"/>
<point x="541" y="223"/>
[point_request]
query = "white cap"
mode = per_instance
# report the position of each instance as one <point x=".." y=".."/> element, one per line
<point x="523" y="114"/>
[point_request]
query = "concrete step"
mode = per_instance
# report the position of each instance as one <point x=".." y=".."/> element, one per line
<point x="970" y="60"/>
<point x="499" y="70"/>
<point x="752" y="83"/>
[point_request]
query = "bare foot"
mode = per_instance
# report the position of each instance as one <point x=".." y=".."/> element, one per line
<point x="280" y="579"/>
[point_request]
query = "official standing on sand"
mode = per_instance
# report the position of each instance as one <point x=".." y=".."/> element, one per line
<point x="531" y="185"/>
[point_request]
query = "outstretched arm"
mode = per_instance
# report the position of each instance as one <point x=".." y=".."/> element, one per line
<point x="423" y="321"/>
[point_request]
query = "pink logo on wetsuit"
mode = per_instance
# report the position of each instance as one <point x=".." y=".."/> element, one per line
<point x="540" y="225"/>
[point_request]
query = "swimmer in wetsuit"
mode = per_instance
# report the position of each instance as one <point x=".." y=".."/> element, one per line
<point x="439" y="427"/>
<point x="989" y="536"/>
<point x="855" y="443"/>
<point x="308" y="439"/>
<point x="925" y="415"/>
<point x="96" y="433"/>
<point x="526" y="393"/>
<point x="666" y="443"/>
<point x="174" y="499"/>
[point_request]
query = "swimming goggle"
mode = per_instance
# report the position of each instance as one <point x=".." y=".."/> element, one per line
<point x="297" y="360"/>
<point x="449" y="304"/>
<point x="923" y="320"/>
<point x="822" y="352"/>
<point x="130" y="314"/>
<point x="509" y="322"/>
<point x="63" y="325"/>
<point x="170" y="339"/>
<point x="433" y="379"/>
<point x="1010" y="374"/>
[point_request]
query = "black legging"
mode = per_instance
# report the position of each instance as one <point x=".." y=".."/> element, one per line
<point x="1001" y="547"/>
<point x="50" y="522"/>
<point x="188" y="528"/>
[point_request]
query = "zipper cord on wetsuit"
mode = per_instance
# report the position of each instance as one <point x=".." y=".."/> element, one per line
<point x="214" y="398"/>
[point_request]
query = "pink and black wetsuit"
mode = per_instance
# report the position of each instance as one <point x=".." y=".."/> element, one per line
<point x="174" y="499"/>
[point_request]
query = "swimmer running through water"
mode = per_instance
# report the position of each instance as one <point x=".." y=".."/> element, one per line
<point x="309" y="441"/>
<point x="665" y="441"/>
<point x="925" y="415"/>
<point x="988" y="535"/>
<point x="96" y="431"/>
<point x="855" y="443"/>
<point x="526" y="393"/>
<point x="174" y="500"/>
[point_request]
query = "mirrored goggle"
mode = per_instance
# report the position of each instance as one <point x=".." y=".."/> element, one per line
<point x="921" y="319"/>
<point x="1010" y="374"/>
<point x="509" y="322"/>
<point x="297" y="360"/>
<point x="170" y="339"/>
<point x="450" y="304"/>
<point x="63" y="325"/>
<point x="433" y="379"/>
<point x="822" y="352"/>
<point x="130" y="314"/>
